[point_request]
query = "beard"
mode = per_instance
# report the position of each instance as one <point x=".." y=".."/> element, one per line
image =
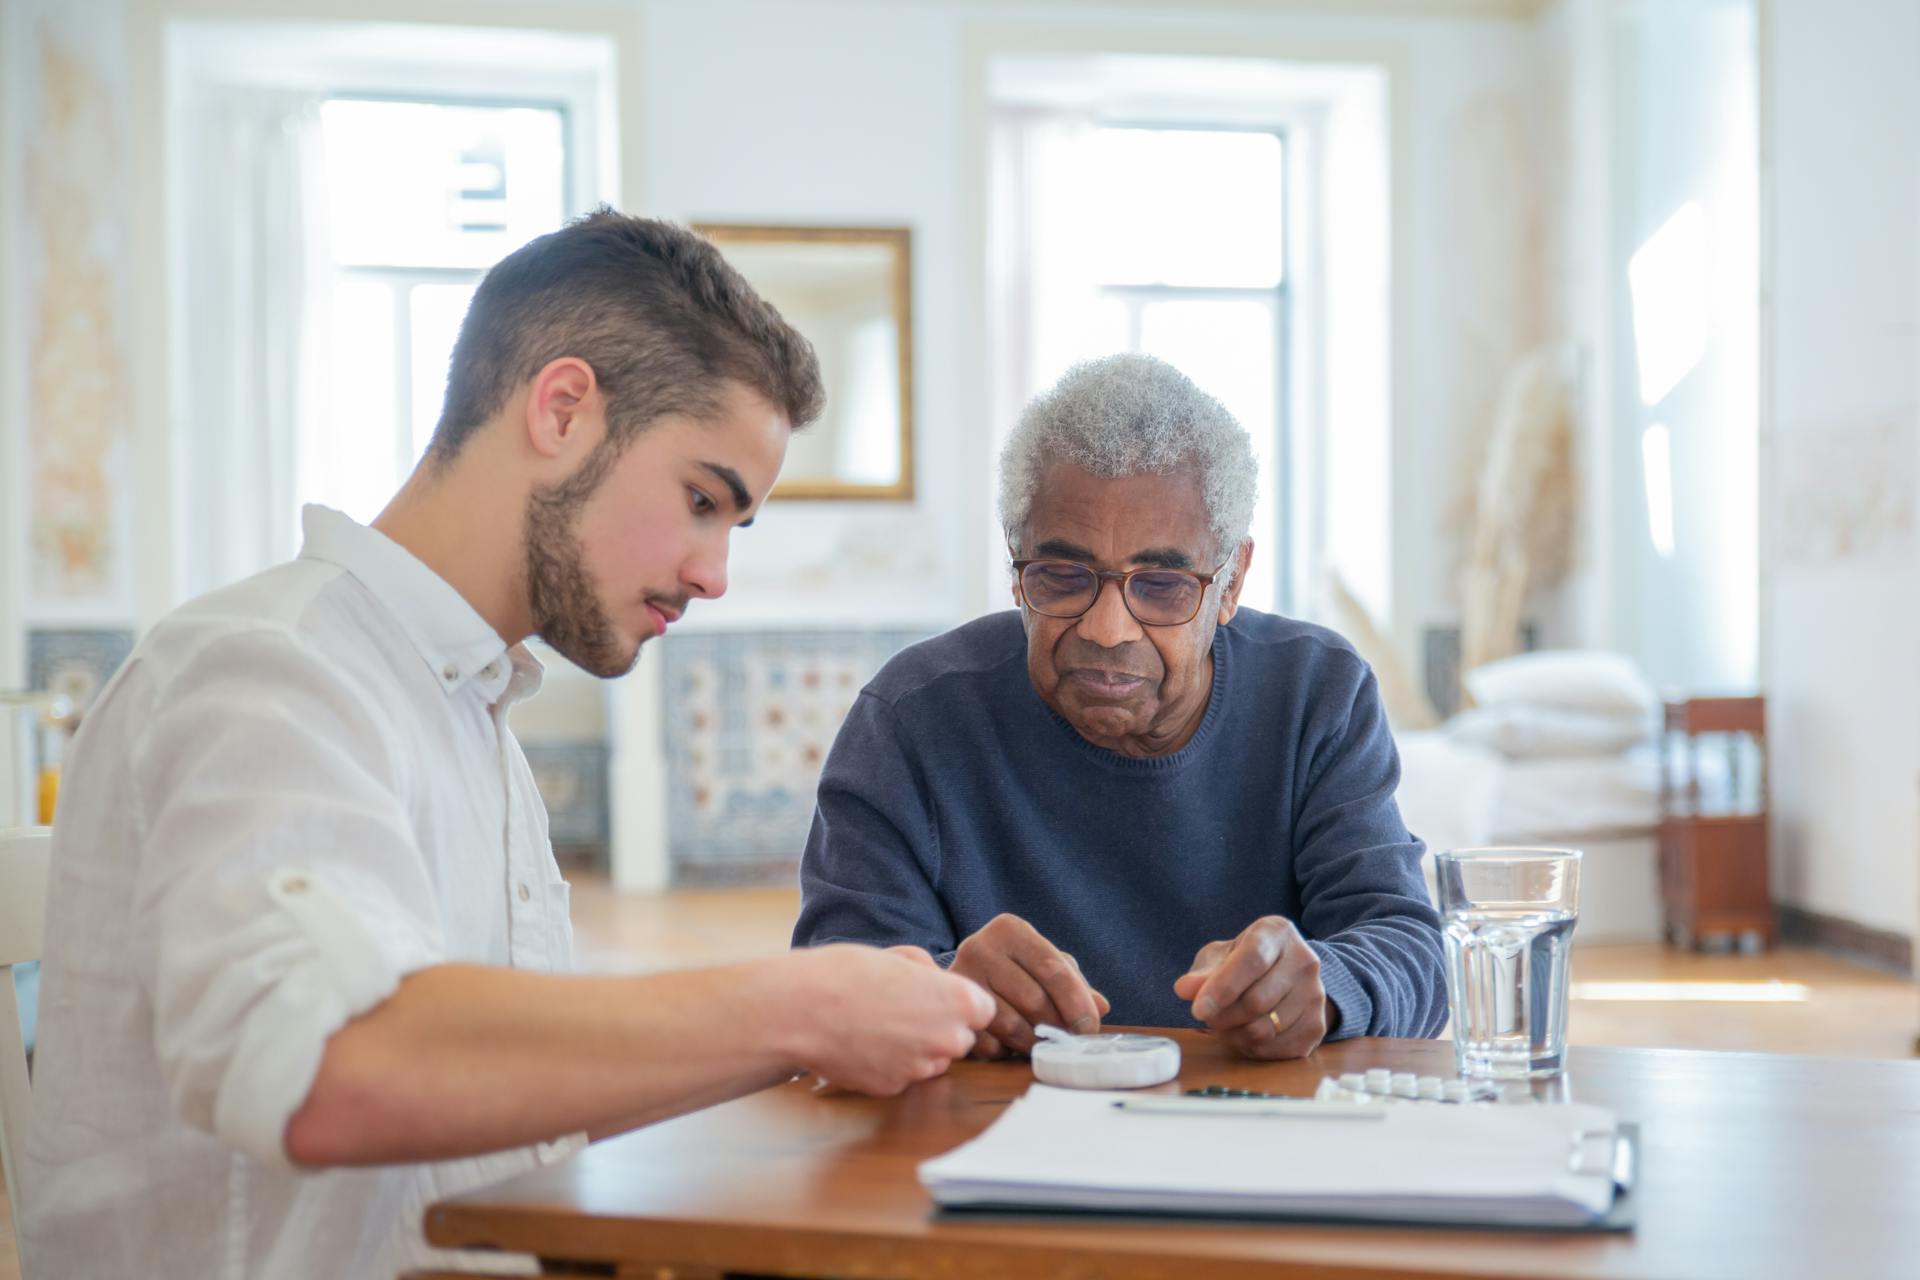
<point x="561" y="597"/>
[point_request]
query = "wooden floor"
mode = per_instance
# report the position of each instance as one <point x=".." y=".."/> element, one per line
<point x="1784" y="1001"/>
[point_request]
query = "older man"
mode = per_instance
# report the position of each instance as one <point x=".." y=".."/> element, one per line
<point x="1130" y="798"/>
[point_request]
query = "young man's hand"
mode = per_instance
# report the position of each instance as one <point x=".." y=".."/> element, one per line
<point x="878" y="1021"/>
<point x="1031" y="981"/>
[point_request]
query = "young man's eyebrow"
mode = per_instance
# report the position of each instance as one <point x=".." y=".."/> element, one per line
<point x="1156" y="557"/>
<point x="736" y="487"/>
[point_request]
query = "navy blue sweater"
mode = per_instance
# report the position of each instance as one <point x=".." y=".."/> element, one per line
<point x="953" y="793"/>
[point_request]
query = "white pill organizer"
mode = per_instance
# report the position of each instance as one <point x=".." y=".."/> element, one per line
<point x="1117" y="1061"/>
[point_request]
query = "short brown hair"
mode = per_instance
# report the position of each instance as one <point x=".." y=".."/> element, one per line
<point x="662" y="319"/>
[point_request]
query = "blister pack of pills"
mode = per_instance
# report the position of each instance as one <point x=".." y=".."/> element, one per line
<point x="1376" y="1086"/>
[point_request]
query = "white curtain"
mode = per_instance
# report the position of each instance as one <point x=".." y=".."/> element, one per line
<point x="1041" y="288"/>
<point x="251" y="317"/>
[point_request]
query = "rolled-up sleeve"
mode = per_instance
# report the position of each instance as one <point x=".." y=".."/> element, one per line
<point x="280" y="890"/>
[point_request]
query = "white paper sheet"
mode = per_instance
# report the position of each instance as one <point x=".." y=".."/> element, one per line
<point x="1549" y="1165"/>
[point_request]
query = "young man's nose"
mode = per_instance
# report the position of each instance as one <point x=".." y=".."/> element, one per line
<point x="704" y="574"/>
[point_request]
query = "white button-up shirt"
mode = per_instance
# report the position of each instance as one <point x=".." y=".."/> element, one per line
<point x="297" y="791"/>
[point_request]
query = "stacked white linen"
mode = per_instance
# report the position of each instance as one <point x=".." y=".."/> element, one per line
<point x="1558" y="749"/>
<point x="1557" y="703"/>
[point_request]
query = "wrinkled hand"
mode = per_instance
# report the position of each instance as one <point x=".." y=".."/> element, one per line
<point x="1031" y="981"/>
<point x="1268" y="970"/>
<point x="879" y="1021"/>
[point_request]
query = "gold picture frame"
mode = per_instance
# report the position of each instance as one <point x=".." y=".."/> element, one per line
<point x="853" y="453"/>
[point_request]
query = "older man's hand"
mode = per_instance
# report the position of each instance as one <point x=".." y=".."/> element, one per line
<point x="1260" y="991"/>
<point x="1031" y="981"/>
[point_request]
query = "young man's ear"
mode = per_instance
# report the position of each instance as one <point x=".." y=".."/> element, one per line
<point x="563" y="408"/>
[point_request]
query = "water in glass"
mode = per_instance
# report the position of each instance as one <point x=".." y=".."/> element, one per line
<point x="1507" y="987"/>
<point x="1508" y="916"/>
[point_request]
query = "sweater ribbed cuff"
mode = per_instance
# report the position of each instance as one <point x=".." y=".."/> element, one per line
<point x="1344" y="992"/>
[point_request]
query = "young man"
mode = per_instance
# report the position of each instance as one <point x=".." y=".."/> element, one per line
<point x="304" y="912"/>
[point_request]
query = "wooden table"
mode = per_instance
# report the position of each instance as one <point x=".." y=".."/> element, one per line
<point x="1751" y="1166"/>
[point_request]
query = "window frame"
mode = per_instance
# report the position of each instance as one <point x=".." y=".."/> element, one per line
<point x="1279" y="297"/>
<point x="399" y="279"/>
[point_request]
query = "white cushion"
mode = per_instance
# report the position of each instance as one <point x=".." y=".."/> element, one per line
<point x="1570" y="679"/>
<point x="1448" y="790"/>
<point x="1521" y="731"/>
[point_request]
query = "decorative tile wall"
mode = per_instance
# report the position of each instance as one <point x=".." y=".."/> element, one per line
<point x="572" y="780"/>
<point x="749" y="719"/>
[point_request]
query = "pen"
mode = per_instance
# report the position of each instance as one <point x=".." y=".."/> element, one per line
<point x="1299" y="1108"/>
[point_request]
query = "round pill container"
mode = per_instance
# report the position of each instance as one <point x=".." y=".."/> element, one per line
<point x="1120" y="1061"/>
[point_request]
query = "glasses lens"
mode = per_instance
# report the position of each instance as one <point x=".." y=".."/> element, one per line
<point x="1163" y="599"/>
<point x="1058" y="586"/>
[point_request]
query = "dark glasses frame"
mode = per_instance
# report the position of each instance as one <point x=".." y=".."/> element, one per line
<point x="1124" y="577"/>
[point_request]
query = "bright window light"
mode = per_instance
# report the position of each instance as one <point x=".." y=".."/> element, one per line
<point x="423" y="197"/>
<point x="1772" y="991"/>
<point x="1199" y="208"/>
<point x="1227" y="345"/>
<point x="1656" y="461"/>
<point x="1170" y="241"/>
<point x="1668" y="278"/>
<point x="422" y="184"/>
<point x="434" y="313"/>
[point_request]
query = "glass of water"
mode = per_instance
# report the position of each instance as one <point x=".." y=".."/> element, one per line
<point x="1508" y="917"/>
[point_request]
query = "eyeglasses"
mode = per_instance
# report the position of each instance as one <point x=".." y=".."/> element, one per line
<point x="1155" y="597"/>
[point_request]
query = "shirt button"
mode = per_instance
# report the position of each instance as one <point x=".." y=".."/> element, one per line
<point x="293" y="884"/>
<point x="450" y="673"/>
<point x="524" y="892"/>
<point x="491" y="670"/>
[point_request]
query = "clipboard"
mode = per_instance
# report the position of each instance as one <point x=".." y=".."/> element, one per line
<point x="1621" y="1218"/>
<point x="1562" y="1168"/>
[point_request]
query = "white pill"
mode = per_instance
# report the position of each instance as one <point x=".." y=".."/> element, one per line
<point x="1379" y="1080"/>
<point x="1329" y="1090"/>
<point x="1353" y="1082"/>
<point x="1454" y="1091"/>
<point x="1429" y="1087"/>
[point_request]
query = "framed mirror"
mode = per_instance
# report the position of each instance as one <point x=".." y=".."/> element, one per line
<point x="849" y="290"/>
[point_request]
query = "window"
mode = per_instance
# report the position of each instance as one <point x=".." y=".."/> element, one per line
<point x="1191" y="267"/>
<point x="1170" y="241"/>
<point x="422" y="198"/>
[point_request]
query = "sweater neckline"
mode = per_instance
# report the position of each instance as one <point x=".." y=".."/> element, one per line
<point x="1173" y="760"/>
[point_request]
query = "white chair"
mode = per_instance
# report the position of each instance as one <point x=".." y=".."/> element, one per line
<point x="24" y="859"/>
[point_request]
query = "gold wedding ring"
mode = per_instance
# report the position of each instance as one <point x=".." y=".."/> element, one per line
<point x="1273" y="1016"/>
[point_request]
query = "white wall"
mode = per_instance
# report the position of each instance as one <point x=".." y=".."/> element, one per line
<point x="1576" y="92"/>
<point x="1685" y="153"/>
<point x="830" y="113"/>
<point x="12" y="634"/>
<point x="1842" y="613"/>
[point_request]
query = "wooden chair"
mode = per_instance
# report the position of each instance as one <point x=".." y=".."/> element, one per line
<point x="24" y="855"/>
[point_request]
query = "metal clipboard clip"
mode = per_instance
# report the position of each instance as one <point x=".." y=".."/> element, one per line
<point x="1594" y="1152"/>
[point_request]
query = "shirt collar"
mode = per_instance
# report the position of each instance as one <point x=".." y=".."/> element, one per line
<point x="456" y="643"/>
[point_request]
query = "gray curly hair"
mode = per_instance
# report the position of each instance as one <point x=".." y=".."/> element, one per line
<point x="1129" y="415"/>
